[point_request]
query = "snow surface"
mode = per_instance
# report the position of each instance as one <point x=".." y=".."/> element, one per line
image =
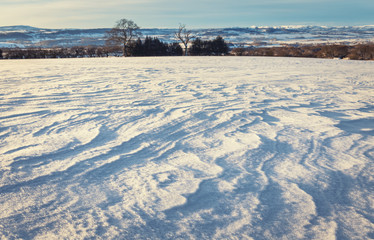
<point x="186" y="148"/>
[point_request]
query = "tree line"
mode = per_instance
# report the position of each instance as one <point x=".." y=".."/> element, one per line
<point x="150" y="46"/>
<point x="73" y="52"/>
<point x="353" y="52"/>
<point x="155" y="47"/>
<point x="120" y="40"/>
<point x="217" y="47"/>
<point x="123" y="33"/>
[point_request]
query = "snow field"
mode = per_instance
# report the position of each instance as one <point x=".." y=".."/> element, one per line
<point x="186" y="148"/>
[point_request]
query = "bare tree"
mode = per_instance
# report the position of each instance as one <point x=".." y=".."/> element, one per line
<point x="184" y="36"/>
<point x="122" y="34"/>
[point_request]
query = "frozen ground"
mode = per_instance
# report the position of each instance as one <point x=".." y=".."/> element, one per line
<point x="186" y="148"/>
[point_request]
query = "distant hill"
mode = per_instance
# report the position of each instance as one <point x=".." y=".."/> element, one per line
<point x="26" y="36"/>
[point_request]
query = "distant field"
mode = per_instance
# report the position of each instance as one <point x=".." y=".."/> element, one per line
<point x="186" y="148"/>
<point x="26" y="36"/>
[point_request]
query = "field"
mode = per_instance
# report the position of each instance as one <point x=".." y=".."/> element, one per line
<point x="186" y="148"/>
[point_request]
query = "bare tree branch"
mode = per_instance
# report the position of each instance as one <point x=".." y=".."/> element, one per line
<point x="122" y="34"/>
<point x="184" y="36"/>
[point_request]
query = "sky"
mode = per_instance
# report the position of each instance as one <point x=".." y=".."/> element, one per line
<point x="192" y="13"/>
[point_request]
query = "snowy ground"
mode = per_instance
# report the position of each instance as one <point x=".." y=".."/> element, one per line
<point x="186" y="147"/>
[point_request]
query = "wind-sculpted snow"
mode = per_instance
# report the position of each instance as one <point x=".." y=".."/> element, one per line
<point x="186" y="148"/>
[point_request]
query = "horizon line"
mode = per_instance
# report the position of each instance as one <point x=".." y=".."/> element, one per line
<point x="197" y="28"/>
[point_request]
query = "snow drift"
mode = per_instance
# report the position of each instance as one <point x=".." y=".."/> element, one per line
<point x="186" y="148"/>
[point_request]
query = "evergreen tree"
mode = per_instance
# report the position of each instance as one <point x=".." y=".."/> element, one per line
<point x="137" y="49"/>
<point x="197" y="48"/>
<point x="154" y="47"/>
<point x="174" y="49"/>
<point x="219" y="47"/>
<point x="204" y="48"/>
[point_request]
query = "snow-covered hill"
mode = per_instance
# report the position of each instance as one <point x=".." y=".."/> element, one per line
<point x="186" y="148"/>
<point x="25" y="36"/>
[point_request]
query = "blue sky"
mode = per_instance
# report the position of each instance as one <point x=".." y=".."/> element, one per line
<point x="193" y="13"/>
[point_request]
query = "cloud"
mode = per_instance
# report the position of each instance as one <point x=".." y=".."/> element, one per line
<point x="62" y="13"/>
<point x="168" y="13"/>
